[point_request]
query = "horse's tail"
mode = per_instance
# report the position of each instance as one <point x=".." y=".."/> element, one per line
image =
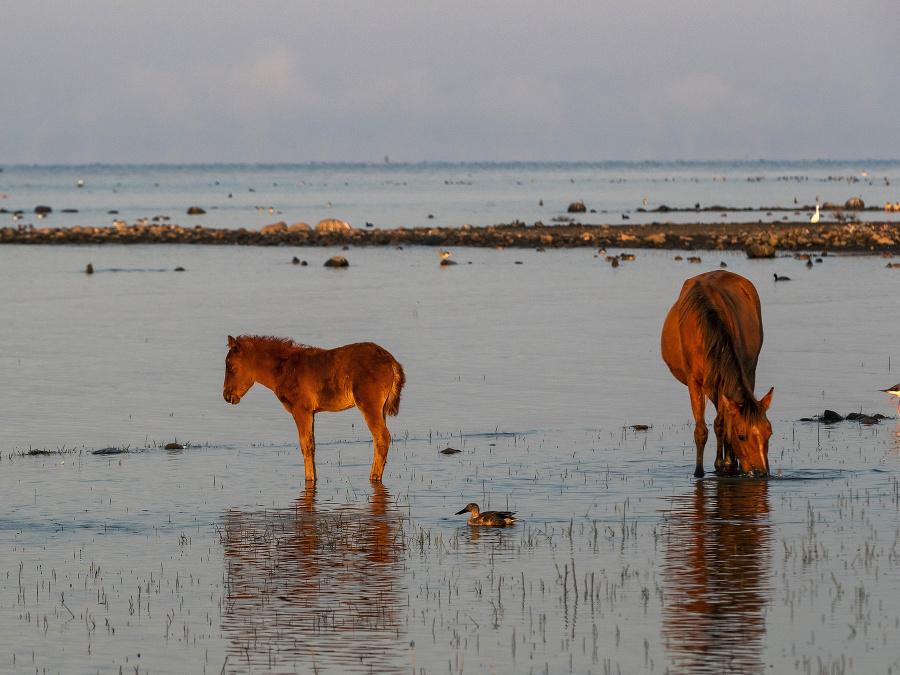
<point x="392" y="402"/>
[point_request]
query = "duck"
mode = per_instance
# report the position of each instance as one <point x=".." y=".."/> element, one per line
<point x="778" y="278"/>
<point x="489" y="518"/>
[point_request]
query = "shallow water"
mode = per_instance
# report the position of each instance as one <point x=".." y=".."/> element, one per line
<point x="441" y="195"/>
<point x="215" y="557"/>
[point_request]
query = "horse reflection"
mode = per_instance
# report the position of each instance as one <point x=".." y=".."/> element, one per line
<point x="717" y="570"/>
<point x="307" y="585"/>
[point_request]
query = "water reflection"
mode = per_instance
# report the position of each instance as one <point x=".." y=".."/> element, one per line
<point x="717" y="570"/>
<point x="309" y="587"/>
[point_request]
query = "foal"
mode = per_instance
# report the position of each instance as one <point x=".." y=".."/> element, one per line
<point x="308" y="380"/>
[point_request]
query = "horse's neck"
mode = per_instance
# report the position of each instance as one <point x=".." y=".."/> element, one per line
<point x="267" y="366"/>
<point x="737" y="386"/>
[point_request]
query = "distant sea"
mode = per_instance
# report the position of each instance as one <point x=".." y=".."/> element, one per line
<point x="392" y="195"/>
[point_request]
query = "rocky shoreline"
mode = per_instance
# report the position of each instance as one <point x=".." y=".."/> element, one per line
<point x="758" y="239"/>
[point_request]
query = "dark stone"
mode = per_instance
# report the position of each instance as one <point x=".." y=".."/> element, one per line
<point x="43" y="209"/>
<point x="760" y="251"/>
<point x="577" y="207"/>
<point x="450" y="451"/>
<point x="195" y="211"/>
<point x="433" y="240"/>
<point x="830" y="417"/>
<point x="337" y="261"/>
<point x="854" y="203"/>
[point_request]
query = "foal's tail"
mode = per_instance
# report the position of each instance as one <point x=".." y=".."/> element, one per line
<point x="392" y="403"/>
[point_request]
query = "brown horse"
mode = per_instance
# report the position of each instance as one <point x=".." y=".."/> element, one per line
<point x="711" y="341"/>
<point x="308" y="380"/>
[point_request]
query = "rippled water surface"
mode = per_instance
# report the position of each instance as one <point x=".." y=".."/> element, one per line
<point x="216" y="557"/>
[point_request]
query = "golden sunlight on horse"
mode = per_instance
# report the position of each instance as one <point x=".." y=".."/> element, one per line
<point x="308" y="380"/>
<point x="711" y="341"/>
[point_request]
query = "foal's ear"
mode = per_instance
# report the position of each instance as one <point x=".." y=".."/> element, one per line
<point x="232" y="343"/>
<point x="767" y="399"/>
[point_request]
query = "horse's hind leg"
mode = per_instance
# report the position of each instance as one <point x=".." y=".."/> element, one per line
<point x="701" y="433"/>
<point x="305" y="421"/>
<point x="381" y="437"/>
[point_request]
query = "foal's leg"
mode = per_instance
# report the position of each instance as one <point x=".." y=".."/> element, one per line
<point x="701" y="433"/>
<point x="381" y="437"/>
<point x="305" y="423"/>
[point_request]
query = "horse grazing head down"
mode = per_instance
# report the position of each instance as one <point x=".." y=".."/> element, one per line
<point x="238" y="375"/>
<point x="747" y="432"/>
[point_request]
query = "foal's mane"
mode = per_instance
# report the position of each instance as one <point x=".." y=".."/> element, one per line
<point x="277" y="346"/>
<point x="724" y="368"/>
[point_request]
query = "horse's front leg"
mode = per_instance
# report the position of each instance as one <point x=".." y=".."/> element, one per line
<point x="724" y="458"/>
<point x="701" y="433"/>
<point x="305" y="421"/>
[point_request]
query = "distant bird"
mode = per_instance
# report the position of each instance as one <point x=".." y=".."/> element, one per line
<point x="895" y="393"/>
<point x="778" y="278"/>
<point x="89" y="269"/>
<point x="489" y="518"/>
<point x="815" y="218"/>
<point x="444" y="254"/>
<point x="809" y="263"/>
<point x="624" y="217"/>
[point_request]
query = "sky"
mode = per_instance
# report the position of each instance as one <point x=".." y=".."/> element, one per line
<point x="342" y="81"/>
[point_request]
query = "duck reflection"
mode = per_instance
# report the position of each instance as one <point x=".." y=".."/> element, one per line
<point x="717" y="570"/>
<point x="308" y="586"/>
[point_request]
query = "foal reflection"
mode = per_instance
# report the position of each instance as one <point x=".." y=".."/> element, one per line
<point x="717" y="570"/>
<point x="307" y="585"/>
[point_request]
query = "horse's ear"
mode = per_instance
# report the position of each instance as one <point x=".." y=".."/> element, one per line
<point x="767" y="399"/>
<point x="232" y="342"/>
<point x="733" y="408"/>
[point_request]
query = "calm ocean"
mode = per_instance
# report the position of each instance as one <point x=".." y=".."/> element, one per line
<point x="442" y="195"/>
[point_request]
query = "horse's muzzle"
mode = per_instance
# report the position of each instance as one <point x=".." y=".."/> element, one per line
<point x="231" y="397"/>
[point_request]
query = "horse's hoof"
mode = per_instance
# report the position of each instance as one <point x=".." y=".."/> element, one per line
<point x="698" y="472"/>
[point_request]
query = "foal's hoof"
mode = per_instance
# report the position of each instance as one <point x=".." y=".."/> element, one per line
<point x="698" y="472"/>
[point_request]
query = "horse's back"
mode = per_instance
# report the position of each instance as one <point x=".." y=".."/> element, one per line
<point x="364" y="357"/>
<point x="736" y="302"/>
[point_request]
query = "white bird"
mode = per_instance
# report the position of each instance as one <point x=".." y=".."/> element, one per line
<point x="444" y="254"/>
<point x="895" y="393"/>
<point x="815" y="218"/>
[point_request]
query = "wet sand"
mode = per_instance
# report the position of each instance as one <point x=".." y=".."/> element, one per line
<point x="771" y="236"/>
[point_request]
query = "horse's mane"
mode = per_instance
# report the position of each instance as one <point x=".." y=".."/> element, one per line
<point x="724" y="368"/>
<point x="278" y="346"/>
